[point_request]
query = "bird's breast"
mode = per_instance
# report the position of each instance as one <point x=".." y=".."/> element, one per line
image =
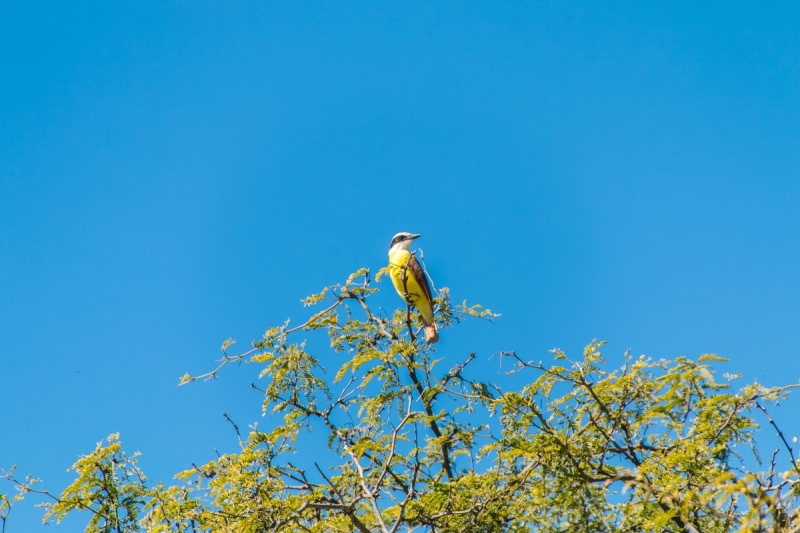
<point x="398" y="258"/>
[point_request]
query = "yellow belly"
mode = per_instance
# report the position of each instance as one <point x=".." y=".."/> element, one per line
<point x="417" y="297"/>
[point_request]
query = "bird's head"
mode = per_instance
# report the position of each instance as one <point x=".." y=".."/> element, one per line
<point x="402" y="241"/>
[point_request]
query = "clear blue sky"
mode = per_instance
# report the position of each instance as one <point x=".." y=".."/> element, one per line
<point x="176" y="173"/>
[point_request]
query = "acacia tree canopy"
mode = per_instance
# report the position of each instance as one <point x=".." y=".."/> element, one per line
<point x="428" y="444"/>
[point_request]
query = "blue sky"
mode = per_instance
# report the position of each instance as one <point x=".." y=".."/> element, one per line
<point x="176" y="173"/>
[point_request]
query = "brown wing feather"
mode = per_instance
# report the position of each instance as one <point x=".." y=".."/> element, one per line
<point x="420" y="276"/>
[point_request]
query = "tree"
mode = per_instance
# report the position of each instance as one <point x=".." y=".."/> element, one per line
<point x="651" y="446"/>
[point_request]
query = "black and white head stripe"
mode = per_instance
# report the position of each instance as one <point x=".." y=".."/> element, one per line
<point x="403" y="236"/>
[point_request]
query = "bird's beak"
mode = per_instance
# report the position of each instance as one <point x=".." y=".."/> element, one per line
<point x="415" y="236"/>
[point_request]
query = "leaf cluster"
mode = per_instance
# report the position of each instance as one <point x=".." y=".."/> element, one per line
<point x="415" y="443"/>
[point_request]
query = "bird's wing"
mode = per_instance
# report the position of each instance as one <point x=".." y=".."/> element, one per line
<point x="420" y="276"/>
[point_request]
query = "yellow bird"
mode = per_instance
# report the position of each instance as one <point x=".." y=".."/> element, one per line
<point x="409" y="279"/>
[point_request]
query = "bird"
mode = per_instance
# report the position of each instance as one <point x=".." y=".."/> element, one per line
<point x="409" y="280"/>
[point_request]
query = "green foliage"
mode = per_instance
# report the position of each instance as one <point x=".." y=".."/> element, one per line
<point x="6" y="504"/>
<point x="22" y="487"/>
<point x="416" y="445"/>
<point x="108" y="485"/>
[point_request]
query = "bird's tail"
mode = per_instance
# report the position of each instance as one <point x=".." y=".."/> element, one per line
<point x="431" y="333"/>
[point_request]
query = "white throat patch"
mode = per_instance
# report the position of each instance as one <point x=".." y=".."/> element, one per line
<point x="402" y="245"/>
